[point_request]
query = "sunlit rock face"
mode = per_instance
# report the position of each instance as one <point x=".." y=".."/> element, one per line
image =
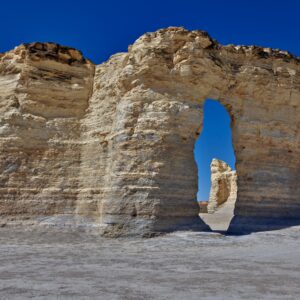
<point x="115" y="149"/>
<point x="223" y="185"/>
<point x="44" y="92"/>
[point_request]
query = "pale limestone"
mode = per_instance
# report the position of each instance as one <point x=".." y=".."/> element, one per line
<point x="45" y="89"/>
<point x="223" y="185"/>
<point x="115" y="149"/>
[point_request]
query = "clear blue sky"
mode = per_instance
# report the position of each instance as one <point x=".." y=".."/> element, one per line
<point x="102" y="28"/>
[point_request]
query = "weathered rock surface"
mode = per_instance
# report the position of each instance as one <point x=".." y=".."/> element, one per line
<point x="44" y="92"/>
<point x="223" y="185"/>
<point x="116" y="148"/>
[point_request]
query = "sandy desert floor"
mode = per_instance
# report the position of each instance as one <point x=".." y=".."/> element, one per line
<point x="53" y="264"/>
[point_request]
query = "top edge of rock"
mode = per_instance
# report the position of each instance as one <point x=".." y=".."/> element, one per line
<point x="48" y="50"/>
<point x="159" y="38"/>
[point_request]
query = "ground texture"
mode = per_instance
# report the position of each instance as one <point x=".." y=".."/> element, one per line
<point x="53" y="264"/>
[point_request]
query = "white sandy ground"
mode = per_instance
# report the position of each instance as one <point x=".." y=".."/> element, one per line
<point x="221" y="218"/>
<point x="52" y="264"/>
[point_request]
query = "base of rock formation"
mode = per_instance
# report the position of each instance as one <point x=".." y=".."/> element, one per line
<point x="220" y="220"/>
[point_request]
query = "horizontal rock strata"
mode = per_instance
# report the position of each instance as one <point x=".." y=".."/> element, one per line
<point x="113" y="144"/>
<point x="45" y="89"/>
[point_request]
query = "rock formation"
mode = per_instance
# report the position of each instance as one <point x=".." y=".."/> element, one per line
<point x="114" y="147"/>
<point x="203" y="207"/>
<point x="44" y="94"/>
<point x="223" y="185"/>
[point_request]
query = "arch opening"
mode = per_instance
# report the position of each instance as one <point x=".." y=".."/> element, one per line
<point x="215" y="160"/>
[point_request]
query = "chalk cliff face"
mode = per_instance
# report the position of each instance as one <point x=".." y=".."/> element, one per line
<point x="115" y="148"/>
<point x="223" y="185"/>
<point x="44" y="92"/>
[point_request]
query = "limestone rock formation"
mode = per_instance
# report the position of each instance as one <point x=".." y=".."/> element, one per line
<point x="44" y="93"/>
<point x="114" y="147"/>
<point x="223" y="185"/>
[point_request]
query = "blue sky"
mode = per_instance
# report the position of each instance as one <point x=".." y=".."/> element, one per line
<point x="102" y="28"/>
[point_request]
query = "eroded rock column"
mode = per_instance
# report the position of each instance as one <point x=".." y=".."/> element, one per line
<point x="44" y="93"/>
<point x="223" y="185"/>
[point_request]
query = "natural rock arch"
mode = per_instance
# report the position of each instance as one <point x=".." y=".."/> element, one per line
<point x="123" y="155"/>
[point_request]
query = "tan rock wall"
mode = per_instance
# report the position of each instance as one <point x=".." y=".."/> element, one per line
<point x="173" y="71"/>
<point x="123" y="156"/>
<point x="44" y="93"/>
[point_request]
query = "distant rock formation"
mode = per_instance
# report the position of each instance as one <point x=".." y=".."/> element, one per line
<point x="111" y="146"/>
<point x="203" y="206"/>
<point x="223" y="185"/>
